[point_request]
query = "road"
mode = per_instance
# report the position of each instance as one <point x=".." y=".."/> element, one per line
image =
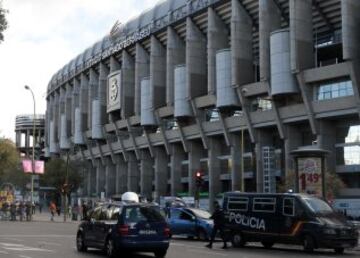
<point x="43" y="239"/>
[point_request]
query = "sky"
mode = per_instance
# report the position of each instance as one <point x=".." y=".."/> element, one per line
<point x="42" y="37"/>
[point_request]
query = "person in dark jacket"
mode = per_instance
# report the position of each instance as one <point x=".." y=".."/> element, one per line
<point x="219" y="220"/>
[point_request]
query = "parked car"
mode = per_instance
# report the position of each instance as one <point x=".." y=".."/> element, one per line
<point x="286" y="218"/>
<point x="190" y="222"/>
<point x="125" y="227"/>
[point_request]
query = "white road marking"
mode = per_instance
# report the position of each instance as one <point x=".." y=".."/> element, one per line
<point x="14" y="239"/>
<point x="20" y="247"/>
<point x="39" y="236"/>
<point x="49" y="243"/>
<point x="24" y="256"/>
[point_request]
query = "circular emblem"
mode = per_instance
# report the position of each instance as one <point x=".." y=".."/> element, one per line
<point x="114" y="89"/>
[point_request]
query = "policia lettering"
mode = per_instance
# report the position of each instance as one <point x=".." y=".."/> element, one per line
<point x="247" y="221"/>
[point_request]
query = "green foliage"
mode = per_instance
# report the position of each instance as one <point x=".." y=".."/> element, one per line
<point x="55" y="175"/>
<point x="3" y="21"/>
<point x="9" y="157"/>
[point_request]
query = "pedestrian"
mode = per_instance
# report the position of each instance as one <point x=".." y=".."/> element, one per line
<point x="28" y="211"/>
<point x="84" y="210"/>
<point x="219" y="220"/>
<point x="52" y="209"/>
<point x="21" y="211"/>
<point x="58" y="210"/>
<point x="40" y="207"/>
<point x="13" y="211"/>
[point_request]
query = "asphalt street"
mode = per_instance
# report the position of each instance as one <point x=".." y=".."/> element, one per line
<point x="42" y="239"/>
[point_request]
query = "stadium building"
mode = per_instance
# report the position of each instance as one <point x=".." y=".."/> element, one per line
<point x="225" y="87"/>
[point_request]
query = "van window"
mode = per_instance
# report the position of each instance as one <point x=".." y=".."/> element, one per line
<point x="288" y="206"/>
<point x="237" y="204"/>
<point x="137" y="214"/>
<point x="264" y="205"/>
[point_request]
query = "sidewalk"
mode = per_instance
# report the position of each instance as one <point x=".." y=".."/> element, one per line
<point x="45" y="217"/>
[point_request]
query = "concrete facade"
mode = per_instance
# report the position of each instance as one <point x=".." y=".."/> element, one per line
<point x="168" y="58"/>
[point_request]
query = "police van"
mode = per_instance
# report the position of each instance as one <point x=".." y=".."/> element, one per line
<point x="286" y="218"/>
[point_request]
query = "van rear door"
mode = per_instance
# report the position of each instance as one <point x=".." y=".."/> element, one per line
<point x="145" y="223"/>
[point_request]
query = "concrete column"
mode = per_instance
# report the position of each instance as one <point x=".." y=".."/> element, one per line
<point x="84" y="101"/>
<point x="326" y="140"/>
<point x="62" y="120"/>
<point x="218" y="38"/>
<point x="195" y="150"/>
<point x="146" y="174"/>
<point x="175" y="168"/>
<point x="94" y="105"/>
<point x="214" y="171"/>
<point x="175" y="55"/>
<point x="133" y="173"/>
<point x="74" y="104"/>
<point x="142" y="70"/>
<point x="269" y="20"/>
<point x="127" y="85"/>
<point x="350" y="21"/>
<point x="301" y="35"/>
<point x="121" y="175"/>
<point x="27" y="140"/>
<point x="161" y="172"/>
<point x="196" y="78"/>
<point x="54" y="125"/>
<point x="291" y="142"/>
<point x="110" y="178"/>
<point x="87" y="178"/>
<point x="93" y="180"/>
<point x="157" y="73"/>
<point x="103" y="78"/>
<point x="68" y="110"/>
<point x="100" y="178"/>
<point x="236" y="173"/>
<point x="264" y="138"/>
<point x="241" y="45"/>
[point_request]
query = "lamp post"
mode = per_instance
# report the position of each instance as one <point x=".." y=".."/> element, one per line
<point x="33" y="153"/>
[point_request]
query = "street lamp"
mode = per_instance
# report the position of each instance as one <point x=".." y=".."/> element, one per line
<point x="33" y="153"/>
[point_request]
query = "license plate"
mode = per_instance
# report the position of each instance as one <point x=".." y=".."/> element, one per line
<point x="147" y="232"/>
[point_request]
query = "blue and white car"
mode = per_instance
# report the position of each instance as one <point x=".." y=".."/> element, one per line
<point x="190" y="222"/>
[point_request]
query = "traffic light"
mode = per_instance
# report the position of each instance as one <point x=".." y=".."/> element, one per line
<point x="199" y="178"/>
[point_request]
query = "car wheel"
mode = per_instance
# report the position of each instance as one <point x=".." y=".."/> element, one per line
<point x="80" y="245"/>
<point x="267" y="245"/>
<point x="238" y="240"/>
<point x="309" y="243"/>
<point x="201" y="235"/>
<point x="339" y="250"/>
<point x="110" y="248"/>
<point x="160" y="254"/>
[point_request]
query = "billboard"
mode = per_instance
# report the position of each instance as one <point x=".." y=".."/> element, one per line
<point x="310" y="178"/>
<point x="39" y="166"/>
<point x="114" y="91"/>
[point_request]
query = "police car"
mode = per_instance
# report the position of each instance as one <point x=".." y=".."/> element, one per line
<point x="286" y="218"/>
<point x="126" y="226"/>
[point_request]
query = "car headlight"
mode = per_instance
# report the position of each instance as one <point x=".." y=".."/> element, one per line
<point x="329" y="231"/>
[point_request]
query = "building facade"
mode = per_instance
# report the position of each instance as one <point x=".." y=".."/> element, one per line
<point x="228" y="87"/>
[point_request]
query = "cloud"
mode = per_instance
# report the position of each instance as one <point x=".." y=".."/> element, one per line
<point x="43" y="36"/>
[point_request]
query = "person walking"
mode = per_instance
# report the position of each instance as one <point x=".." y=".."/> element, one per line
<point x="219" y="220"/>
<point x="28" y="210"/>
<point x="52" y="209"/>
<point x="13" y="211"/>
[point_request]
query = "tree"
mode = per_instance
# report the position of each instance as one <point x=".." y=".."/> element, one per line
<point x="9" y="157"/>
<point x="3" y="21"/>
<point x="55" y="175"/>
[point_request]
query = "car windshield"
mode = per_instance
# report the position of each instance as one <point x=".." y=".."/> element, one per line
<point x="201" y="213"/>
<point x="136" y="214"/>
<point x="318" y="206"/>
